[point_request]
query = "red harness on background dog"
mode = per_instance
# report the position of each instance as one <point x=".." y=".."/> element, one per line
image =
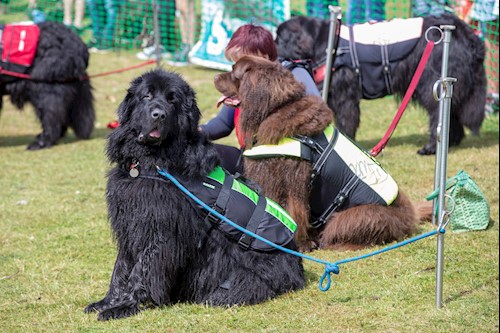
<point x="18" y="44"/>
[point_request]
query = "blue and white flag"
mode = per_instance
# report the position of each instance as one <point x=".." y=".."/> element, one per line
<point x="221" y="18"/>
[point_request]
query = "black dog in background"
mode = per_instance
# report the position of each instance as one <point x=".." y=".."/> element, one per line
<point x="58" y="88"/>
<point x="158" y="229"/>
<point x="307" y="38"/>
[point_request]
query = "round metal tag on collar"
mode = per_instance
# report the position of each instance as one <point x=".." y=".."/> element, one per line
<point x="134" y="172"/>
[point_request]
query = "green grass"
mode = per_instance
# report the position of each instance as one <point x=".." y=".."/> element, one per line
<point x="57" y="252"/>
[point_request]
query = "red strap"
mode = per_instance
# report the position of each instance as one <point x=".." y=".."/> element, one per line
<point x="239" y="134"/>
<point x="319" y="74"/>
<point x="16" y="74"/>
<point x="26" y="76"/>
<point x="406" y="99"/>
<point x="148" y="62"/>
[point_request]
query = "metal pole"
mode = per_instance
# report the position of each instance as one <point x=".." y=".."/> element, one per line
<point x="446" y="85"/>
<point x="335" y="16"/>
<point x="156" y="30"/>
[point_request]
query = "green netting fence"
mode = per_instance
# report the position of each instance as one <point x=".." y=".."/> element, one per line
<point x="129" y="24"/>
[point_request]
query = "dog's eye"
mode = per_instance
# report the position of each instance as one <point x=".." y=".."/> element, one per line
<point x="170" y="96"/>
<point x="148" y="96"/>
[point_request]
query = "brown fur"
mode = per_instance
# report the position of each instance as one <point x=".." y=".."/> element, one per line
<point x="274" y="106"/>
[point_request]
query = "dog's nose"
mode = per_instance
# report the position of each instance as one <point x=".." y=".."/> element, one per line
<point x="217" y="77"/>
<point x="158" y="114"/>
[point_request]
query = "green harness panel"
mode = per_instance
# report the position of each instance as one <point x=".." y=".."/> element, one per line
<point x="238" y="202"/>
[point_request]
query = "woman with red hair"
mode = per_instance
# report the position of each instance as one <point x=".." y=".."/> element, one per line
<point x="254" y="40"/>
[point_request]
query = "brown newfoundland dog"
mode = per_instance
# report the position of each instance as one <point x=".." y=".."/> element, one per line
<point x="343" y="210"/>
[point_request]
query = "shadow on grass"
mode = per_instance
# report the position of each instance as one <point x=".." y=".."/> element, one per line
<point x="487" y="138"/>
<point x="493" y="280"/>
<point x="70" y="138"/>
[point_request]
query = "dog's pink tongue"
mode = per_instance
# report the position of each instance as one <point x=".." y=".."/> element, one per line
<point x="154" y="134"/>
<point x="234" y="101"/>
<point x="221" y="100"/>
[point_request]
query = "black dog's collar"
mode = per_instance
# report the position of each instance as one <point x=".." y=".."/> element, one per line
<point x="134" y="171"/>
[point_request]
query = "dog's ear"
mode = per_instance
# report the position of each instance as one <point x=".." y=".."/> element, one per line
<point x="241" y="67"/>
<point x="125" y="107"/>
<point x="248" y="63"/>
<point x="190" y="112"/>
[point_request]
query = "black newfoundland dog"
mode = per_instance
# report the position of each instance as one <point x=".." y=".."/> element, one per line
<point x="57" y="87"/>
<point x="165" y="254"/>
<point x="307" y="38"/>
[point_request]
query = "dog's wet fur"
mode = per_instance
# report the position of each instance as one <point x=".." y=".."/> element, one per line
<point x="166" y="253"/>
<point x="58" y="87"/>
<point x="307" y="38"/>
<point x="273" y="106"/>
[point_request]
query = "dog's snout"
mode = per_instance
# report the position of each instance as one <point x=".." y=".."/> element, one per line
<point x="217" y="77"/>
<point x="158" y="114"/>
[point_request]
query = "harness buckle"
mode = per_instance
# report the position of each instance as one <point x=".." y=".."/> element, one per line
<point x="316" y="224"/>
<point x="212" y="218"/>
<point x="339" y="200"/>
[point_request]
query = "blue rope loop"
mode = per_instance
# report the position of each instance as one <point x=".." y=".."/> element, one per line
<point x="329" y="267"/>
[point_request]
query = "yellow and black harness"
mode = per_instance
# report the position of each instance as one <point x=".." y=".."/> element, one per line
<point x="344" y="175"/>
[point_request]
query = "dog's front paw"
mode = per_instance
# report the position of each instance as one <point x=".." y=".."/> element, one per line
<point x="429" y="149"/>
<point x="37" y="145"/>
<point x="96" y="306"/>
<point x="307" y="245"/>
<point x="118" y="312"/>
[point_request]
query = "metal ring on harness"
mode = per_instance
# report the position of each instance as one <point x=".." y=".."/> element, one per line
<point x="432" y="28"/>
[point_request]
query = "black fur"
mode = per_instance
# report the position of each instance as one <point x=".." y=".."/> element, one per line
<point x="158" y="230"/>
<point x="307" y="38"/>
<point x="58" y="89"/>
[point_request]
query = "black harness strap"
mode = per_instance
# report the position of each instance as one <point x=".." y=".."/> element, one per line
<point x="336" y="204"/>
<point x="308" y="147"/>
<point x="292" y="64"/>
<point x="222" y="200"/>
<point x="248" y="182"/>
<point x="387" y="69"/>
<point x="324" y="156"/>
<point x="253" y="223"/>
<point x="354" y="56"/>
<point x="309" y="144"/>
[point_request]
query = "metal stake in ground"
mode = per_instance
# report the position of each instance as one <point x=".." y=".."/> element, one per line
<point x="331" y="50"/>
<point x="443" y="129"/>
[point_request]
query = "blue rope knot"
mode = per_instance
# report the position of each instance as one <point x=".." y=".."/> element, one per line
<point x="329" y="269"/>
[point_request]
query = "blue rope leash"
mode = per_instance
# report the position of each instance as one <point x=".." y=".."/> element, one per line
<point x="329" y="267"/>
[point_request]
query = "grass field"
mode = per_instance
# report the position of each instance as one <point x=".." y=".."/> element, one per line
<point x="57" y="252"/>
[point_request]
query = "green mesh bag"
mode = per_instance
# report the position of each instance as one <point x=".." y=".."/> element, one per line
<point x="469" y="208"/>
